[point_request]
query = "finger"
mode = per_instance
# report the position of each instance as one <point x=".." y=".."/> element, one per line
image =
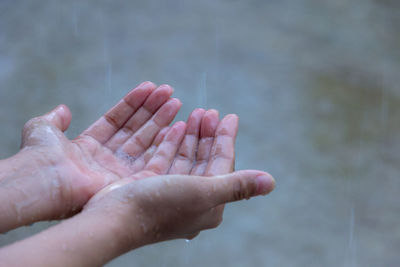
<point x="165" y="153"/>
<point x="183" y="162"/>
<point x="105" y="127"/>
<point x="155" y="100"/>
<point x="222" y="157"/>
<point x="59" y="117"/>
<point x="239" y="185"/>
<point x="142" y="139"/>
<point x="145" y="157"/>
<point x="46" y="127"/>
<point x="208" y="126"/>
<point x="157" y="141"/>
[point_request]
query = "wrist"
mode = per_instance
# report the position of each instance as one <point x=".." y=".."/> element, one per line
<point x="87" y="239"/>
<point x="120" y="218"/>
<point x="29" y="189"/>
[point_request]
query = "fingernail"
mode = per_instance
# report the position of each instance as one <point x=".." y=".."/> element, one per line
<point x="265" y="184"/>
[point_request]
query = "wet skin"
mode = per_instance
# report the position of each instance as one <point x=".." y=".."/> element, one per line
<point x="53" y="177"/>
<point x="144" y="181"/>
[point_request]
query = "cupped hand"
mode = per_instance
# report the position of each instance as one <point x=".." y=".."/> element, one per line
<point x="107" y="151"/>
<point x="160" y="208"/>
<point x="180" y="202"/>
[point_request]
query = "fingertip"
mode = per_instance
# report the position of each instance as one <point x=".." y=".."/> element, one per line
<point x="60" y="116"/>
<point x="176" y="101"/>
<point x="176" y="132"/>
<point x="212" y="113"/>
<point x="194" y="121"/>
<point x="167" y="87"/>
<point x="179" y="124"/>
<point x="265" y="184"/>
<point x="244" y="185"/>
<point x="198" y="111"/>
<point x="209" y="123"/>
<point x="232" y="116"/>
<point x="147" y="85"/>
<point x="228" y="125"/>
<point x="177" y="128"/>
<point x="63" y="109"/>
<point x="195" y="117"/>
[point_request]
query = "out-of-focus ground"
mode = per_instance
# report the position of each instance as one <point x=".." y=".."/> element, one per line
<point x="315" y="83"/>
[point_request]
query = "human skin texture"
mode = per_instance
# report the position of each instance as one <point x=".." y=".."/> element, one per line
<point x="52" y="177"/>
<point x="179" y="192"/>
<point x="137" y="180"/>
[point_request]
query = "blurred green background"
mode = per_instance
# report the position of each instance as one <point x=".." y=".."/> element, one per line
<point x="315" y="83"/>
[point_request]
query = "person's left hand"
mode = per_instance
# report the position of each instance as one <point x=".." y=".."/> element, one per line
<point x="53" y="177"/>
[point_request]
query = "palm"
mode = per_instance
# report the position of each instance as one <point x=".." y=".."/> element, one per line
<point x="112" y="148"/>
<point x="132" y="140"/>
<point x="204" y="146"/>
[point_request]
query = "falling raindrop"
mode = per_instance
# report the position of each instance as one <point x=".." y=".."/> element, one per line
<point x="202" y="90"/>
<point x="384" y="104"/>
<point x="75" y="17"/>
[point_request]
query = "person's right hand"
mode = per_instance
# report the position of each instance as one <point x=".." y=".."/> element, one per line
<point x="145" y="211"/>
<point x="154" y="208"/>
<point x="167" y="207"/>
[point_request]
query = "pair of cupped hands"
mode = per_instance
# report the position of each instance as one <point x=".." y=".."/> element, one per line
<point x="132" y="165"/>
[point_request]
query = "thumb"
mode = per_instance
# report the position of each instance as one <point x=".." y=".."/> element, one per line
<point x="241" y="185"/>
<point x="57" y="119"/>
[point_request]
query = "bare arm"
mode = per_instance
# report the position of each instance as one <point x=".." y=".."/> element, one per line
<point x="145" y="211"/>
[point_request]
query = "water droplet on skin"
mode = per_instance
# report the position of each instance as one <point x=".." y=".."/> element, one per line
<point x="126" y="157"/>
<point x="144" y="228"/>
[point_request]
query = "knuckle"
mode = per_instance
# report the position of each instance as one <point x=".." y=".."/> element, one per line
<point x="243" y="189"/>
<point x="32" y="123"/>
<point x="30" y="126"/>
<point x="238" y="190"/>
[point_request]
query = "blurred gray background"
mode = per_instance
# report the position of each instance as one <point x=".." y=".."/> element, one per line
<point x="315" y="83"/>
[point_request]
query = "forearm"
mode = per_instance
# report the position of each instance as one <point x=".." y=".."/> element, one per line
<point x="28" y="190"/>
<point x="87" y="239"/>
